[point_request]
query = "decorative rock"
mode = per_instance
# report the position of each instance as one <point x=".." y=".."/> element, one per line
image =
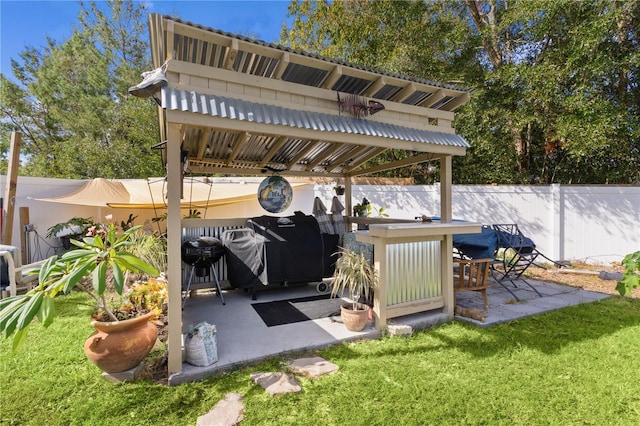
<point x="606" y="275"/>
<point x="124" y="376"/>
<point x="227" y="412"/>
<point x="276" y="383"/>
<point x="313" y="367"/>
<point x="399" y="330"/>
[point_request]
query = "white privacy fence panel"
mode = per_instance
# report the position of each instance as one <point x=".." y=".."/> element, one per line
<point x="598" y="224"/>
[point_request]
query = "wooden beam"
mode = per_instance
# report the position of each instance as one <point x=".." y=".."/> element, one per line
<point x="350" y="154"/>
<point x="304" y="151"/>
<point x="202" y="144"/>
<point x="375" y="86"/>
<point x="332" y="78"/>
<point x="374" y="153"/>
<point x="433" y="99"/>
<point x="174" y="231"/>
<point x="282" y="65"/>
<point x="232" y="52"/>
<point x="11" y="184"/>
<point x="274" y="149"/>
<point x="396" y="164"/>
<point x="242" y="139"/>
<point x="457" y="102"/>
<point x="322" y="156"/>
<point x="404" y="93"/>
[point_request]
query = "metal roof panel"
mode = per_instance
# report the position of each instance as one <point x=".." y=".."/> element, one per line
<point x="236" y="109"/>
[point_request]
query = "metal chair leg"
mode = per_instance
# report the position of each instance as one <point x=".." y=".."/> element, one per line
<point x="218" y="289"/>
<point x="186" y="293"/>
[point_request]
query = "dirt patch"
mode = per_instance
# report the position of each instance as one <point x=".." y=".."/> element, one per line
<point x="581" y="275"/>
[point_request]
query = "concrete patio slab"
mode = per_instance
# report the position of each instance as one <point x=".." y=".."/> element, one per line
<point x="243" y="338"/>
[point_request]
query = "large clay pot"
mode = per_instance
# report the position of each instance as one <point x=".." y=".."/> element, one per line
<point x="121" y="345"/>
<point x="354" y="320"/>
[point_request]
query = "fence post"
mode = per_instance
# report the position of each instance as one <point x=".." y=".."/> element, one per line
<point x="557" y="223"/>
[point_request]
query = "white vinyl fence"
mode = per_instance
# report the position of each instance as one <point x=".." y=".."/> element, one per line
<point x="596" y="224"/>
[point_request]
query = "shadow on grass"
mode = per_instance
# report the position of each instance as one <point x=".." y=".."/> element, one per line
<point x="549" y="332"/>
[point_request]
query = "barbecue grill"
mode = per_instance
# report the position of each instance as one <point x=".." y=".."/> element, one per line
<point x="202" y="253"/>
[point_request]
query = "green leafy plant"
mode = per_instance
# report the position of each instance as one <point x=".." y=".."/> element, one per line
<point x="149" y="295"/>
<point x="363" y="208"/>
<point x="77" y="225"/>
<point x="381" y="212"/>
<point x="193" y="214"/>
<point x="631" y="277"/>
<point x="105" y="252"/>
<point x="354" y="274"/>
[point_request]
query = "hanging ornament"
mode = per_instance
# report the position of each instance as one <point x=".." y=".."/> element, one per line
<point x="275" y="194"/>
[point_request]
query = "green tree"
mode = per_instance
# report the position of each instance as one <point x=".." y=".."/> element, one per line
<point x="71" y="102"/>
<point x="557" y="81"/>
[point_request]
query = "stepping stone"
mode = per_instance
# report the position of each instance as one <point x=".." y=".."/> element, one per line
<point x="276" y="383"/>
<point x="227" y="412"/>
<point x="312" y="367"/>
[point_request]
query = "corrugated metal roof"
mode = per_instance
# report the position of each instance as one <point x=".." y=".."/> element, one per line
<point x="236" y="109"/>
<point x="312" y="55"/>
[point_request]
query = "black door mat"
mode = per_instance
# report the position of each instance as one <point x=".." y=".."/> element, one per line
<point x="280" y="312"/>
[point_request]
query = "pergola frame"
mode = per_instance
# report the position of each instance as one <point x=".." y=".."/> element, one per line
<point x="238" y="106"/>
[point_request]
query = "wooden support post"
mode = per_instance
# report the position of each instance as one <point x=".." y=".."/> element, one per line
<point x="11" y="184"/>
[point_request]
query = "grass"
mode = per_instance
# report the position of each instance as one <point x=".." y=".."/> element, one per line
<point x="578" y="365"/>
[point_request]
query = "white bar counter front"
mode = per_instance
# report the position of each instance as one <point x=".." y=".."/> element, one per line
<point x="415" y="265"/>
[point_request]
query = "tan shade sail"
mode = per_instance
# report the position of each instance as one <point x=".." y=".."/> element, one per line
<point x="151" y="193"/>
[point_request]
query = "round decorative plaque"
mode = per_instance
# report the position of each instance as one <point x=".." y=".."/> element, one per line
<point x="275" y="194"/>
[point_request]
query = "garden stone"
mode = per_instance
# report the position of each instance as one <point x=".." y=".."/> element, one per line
<point x="606" y="275"/>
<point x="124" y="376"/>
<point x="276" y="383"/>
<point x="399" y="330"/>
<point x="227" y="412"/>
<point x="313" y="367"/>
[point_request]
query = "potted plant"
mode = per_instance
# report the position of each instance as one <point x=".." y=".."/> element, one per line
<point x="101" y="255"/>
<point x="339" y="189"/>
<point x="355" y="275"/>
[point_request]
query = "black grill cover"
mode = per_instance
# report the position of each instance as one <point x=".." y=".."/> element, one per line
<point x="294" y="247"/>
<point x="244" y="255"/>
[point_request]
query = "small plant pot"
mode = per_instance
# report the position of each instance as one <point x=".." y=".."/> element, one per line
<point x="354" y="320"/>
<point x="339" y="191"/>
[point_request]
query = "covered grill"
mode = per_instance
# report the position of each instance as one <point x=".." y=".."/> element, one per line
<point x="202" y="253"/>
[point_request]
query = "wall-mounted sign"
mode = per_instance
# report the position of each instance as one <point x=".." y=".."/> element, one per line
<point x="275" y="194"/>
<point x="358" y="106"/>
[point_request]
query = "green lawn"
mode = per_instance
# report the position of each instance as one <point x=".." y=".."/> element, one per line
<point x="579" y="365"/>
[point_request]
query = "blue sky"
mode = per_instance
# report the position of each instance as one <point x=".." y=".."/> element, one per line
<point x="28" y="23"/>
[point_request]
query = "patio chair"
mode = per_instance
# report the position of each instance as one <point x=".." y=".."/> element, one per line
<point x="512" y="252"/>
<point x="13" y="275"/>
<point x="518" y="253"/>
<point x="471" y="275"/>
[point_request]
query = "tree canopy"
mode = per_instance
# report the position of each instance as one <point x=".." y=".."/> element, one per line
<point x="71" y="104"/>
<point x="557" y="96"/>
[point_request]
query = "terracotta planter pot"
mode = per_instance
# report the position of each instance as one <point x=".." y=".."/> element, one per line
<point x="122" y="345"/>
<point x="354" y="320"/>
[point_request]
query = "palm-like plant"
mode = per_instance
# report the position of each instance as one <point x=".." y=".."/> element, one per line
<point x="354" y="274"/>
<point x="106" y="251"/>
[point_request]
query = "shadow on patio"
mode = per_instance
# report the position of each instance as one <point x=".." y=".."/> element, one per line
<point x="243" y="337"/>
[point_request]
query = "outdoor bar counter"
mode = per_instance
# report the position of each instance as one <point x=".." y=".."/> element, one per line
<point x="415" y="265"/>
